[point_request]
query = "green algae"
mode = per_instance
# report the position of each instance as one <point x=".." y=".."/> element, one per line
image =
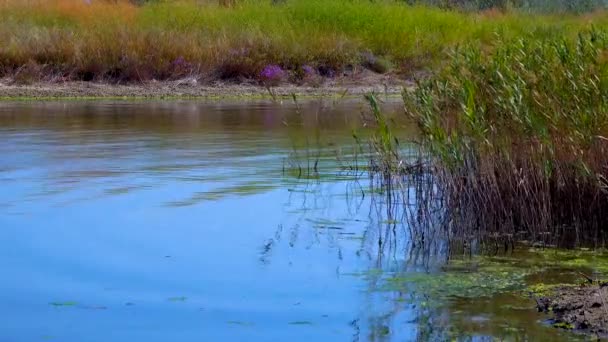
<point x="563" y="325"/>
<point x="177" y="299"/>
<point x="463" y="279"/>
<point x="300" y="323"/>
<point x="482" y="276"/>
<point x="594" y="261"/>
<point x="541" y="289"/>
<point x="490" y="295"/>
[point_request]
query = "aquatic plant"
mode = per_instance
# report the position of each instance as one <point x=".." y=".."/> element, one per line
<point x="518" y="140"/>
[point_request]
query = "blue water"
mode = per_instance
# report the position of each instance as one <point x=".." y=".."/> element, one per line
<point x="221" y="221"/>
<point x="178" y="222"/>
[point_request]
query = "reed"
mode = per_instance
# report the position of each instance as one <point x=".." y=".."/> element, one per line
<point x="518" y="141"/>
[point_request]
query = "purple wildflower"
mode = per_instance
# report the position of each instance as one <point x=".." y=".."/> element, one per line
<point x="308" y="70"/>
<point x="272" y="73"/>
<point x="179" y="61"/>
<point x="181" y="64"/>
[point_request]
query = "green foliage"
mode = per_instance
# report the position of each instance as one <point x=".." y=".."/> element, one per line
<point x="521" y="134"/>
<point x="118" y="40"/>
<point x="543" y="6"/>
<point x="549" y="95"/>
<point x="379" y="65"/>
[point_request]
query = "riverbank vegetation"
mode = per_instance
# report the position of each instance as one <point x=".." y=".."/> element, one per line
<point x="517" y="143"/>
<point x="512" y="152"/>
<point x="263" y="41"/>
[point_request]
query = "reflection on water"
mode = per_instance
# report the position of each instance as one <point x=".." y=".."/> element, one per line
<point x="193" y="221"/>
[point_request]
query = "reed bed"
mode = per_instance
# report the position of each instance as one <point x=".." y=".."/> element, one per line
<point x="57" y="40"/>
<point x="515" y="145"/>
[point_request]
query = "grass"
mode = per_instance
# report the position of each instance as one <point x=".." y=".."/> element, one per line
<point x="120" y="41"/>
<point x="518" y="142"/>
<point x="532" y="6"/>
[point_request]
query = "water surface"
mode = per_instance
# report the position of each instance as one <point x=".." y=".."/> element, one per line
<point x="218" y="221"/>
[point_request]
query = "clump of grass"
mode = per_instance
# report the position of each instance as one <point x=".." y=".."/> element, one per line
<point x="28" y="73"/>
<point x="377" y="64"/>
<point x="123" y="41"/>
<point x="519" y="138"/>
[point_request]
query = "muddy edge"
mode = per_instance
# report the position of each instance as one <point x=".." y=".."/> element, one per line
<point x="582" y="308"/>
<point x="190" y="88"/>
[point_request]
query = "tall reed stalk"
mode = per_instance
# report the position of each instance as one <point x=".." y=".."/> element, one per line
<point x="518" y="142"/>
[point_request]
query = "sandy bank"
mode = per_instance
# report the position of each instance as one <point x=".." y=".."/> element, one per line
<point x="191" y="89"/>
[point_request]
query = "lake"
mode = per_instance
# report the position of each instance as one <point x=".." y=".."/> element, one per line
<point x="223" y="221"/>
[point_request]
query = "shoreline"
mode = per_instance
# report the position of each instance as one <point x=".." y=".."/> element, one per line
<point x="191" y="89"/>
<point x="579" y="308"/>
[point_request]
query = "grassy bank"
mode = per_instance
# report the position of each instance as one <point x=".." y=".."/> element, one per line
<point x="295" y="40"/>
<point x="518" y="143"/>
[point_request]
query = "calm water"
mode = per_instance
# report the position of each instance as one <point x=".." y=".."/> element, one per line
<point x="193" y="221"/>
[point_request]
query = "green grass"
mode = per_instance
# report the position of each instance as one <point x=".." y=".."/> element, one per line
<point x="533" y="6"/>
<point x="67" y="39"/>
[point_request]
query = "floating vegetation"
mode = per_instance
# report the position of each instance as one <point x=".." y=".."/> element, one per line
<point x="300" y="323"/>
<point x="484" y="276"/>
<point x="241" y="323"/>
<point x="563" y="325"/>
<point x="63" y="304"/>
<point x="488" y="295"/>
<point x="463" y="279"/>
<point x="542" y="290"/>
<point x="177" y="299"/>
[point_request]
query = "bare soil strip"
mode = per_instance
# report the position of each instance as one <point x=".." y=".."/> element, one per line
<point x="192" y="89"/>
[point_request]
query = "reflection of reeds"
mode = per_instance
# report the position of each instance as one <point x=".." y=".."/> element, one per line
<point x="403" y="182"/>
<point x="517" y="143"/>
